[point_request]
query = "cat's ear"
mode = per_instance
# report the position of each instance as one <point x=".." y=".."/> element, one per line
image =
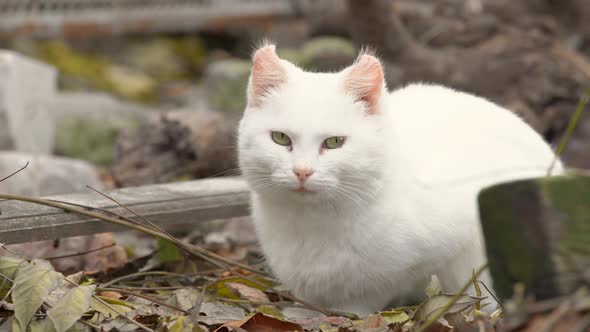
<point x="267" y="74"/>
<point x="365" y="81"/>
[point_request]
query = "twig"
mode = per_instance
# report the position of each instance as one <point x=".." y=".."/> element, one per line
<point x="149" y="298"/>
<point x="15" y="173"/>
<point x="195" y="251"/>
<point x="176" y="241"/>
<point x="80" y="253"/>
<point x="278" y="304"/>
<point x="452" y="301"/>
<point x="141" y="274"/>
<point x="90" y="208"/>
<point x="3" y="246"/>
<point x="570" y="129"/>
<point x="139" y="288"/>
<point x="491" y="294"/>
<point x="131" y="211"/>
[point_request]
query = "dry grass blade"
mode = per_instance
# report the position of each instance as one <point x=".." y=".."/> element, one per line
<point x="81" y="253"/>
<point x="194" y="251"/>
<point x="439" y="314"/>
<point x="15" y="172"/>
<point x="146" y="297"/>
<point x="570" y="129"/>
<point x="178" y="242"/>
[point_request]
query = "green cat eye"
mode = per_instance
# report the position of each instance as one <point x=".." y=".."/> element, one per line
<point x="280" y="138"/>
<point x="333" y="142"/>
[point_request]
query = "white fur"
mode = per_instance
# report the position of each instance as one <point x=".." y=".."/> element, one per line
<point x="391" y="207"/>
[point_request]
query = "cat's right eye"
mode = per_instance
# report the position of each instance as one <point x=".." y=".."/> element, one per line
<point x="280" y="138"/>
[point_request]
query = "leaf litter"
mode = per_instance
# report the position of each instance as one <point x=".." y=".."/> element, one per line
<point x="217" y="294"/>
<point x="224" y="302"/>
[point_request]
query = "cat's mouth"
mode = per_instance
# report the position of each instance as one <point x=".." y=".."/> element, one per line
<point x="301" y="189"/>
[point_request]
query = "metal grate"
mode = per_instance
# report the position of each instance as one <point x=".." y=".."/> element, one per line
<point x="72" y="18"/>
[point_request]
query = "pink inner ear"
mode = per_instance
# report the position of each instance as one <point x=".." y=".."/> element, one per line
<point x="267" y="73"/>
<point x="365" y="81"/>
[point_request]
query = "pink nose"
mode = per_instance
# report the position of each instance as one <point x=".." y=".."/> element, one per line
<point x="302" y="173"/>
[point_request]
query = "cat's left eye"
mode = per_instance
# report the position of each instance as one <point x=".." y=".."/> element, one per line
<point x="333" y="142"/>
<point x="280" y="138"/>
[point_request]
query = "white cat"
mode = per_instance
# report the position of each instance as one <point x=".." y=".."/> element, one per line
<point x="360" y="195"/>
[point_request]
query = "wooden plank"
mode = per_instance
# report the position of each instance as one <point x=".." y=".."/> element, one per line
<point x="166" y="205"/>
<point x="91" y="18"/>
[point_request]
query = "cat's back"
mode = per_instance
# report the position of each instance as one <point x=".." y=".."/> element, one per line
<point x="446" y="135"/>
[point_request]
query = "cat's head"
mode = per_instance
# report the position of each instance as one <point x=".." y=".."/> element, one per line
<point x="316" y="135"/>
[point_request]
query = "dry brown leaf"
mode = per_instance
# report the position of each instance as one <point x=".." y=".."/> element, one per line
<point x="374" y="321"/>
<point x="112" y="295"/>
<point x="316" y="323"/>
<point x="218" y="313"/>
<point x="247" y="292"/>
<point x="259" y="323"/>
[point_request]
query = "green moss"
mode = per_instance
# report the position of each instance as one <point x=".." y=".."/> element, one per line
<point x="537" y="232"/>
<point x="191" y="50"/>
<point x="328" y="53"/>
<point x="99" y="72"/>
<point x="506" y="237"/>
<point x="227" y="81"/>
<point x="293" y="55"/>
<point x="88" y="139"/>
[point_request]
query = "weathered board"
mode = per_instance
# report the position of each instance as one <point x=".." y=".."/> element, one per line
<point x="165" y="205"/>
<point x="91" y="18"/>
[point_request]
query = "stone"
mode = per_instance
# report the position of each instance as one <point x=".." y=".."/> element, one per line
<point x="226" y="82"/>
<point x="88" y="124"/>
<point x="26" y="88"/>
<point x="45" y="175"/>
<point x="328" y="53"/>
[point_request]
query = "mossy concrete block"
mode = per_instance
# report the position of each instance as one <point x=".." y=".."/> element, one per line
<point x="537" y="232"/>
<point x="328" y="53"/>
<point x="89" y="139"/>
<point x="226" y="82"/>
<point x="46" y="175"/>
<point x="292" y="55"/>
<point x="26" y="88"/>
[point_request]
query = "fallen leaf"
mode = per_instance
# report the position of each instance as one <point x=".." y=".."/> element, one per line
<point x="435" y="304"/>
<point x="112" y="295"/>
<point x="65" y="285"/>
<point x="32" y="285"/>
<point x="223" y="291"/>
<point x="105" y="259"/>
<point x="434" y="287"/>
<point x="71" y="307"/>
<point x="247" y="292"/>
<point x="184" y="298"/>
<point x="460" y="323"/>
<point x="9" y="265"/>
<point x="270" y="310"/>
<point x="217" y="313"/>
<point x="168" y="251"/>
<point x="43" y="325"/>
<point x="119" y="324"/>
<point x="259" y="323"/>
<point x="323" y="323"/>
<point x="107" y="311"/>
<point x="394" y="316"/>
<point x="374" y="321"/>
<point x="184" y="324"/>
